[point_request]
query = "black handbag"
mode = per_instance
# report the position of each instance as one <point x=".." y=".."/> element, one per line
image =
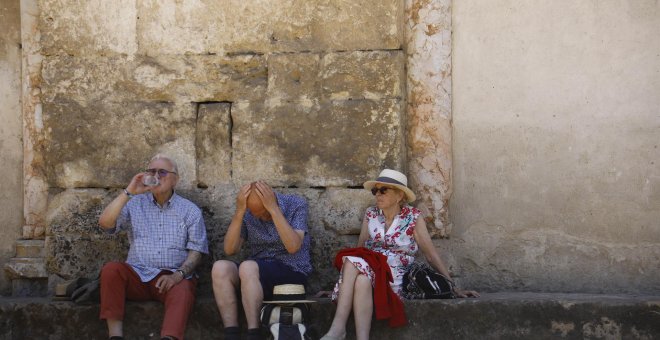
<point x="423" y="282"/>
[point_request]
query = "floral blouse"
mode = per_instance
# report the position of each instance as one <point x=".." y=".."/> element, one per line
<point x="396" y="242"/>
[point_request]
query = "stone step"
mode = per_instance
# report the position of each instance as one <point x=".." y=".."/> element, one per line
<point x="493" y="316"/>
<point x="26" y="268"/>
<point x="30" y="248"/>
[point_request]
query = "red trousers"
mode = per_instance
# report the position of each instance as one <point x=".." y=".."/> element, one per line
<point x="120" y="283"/>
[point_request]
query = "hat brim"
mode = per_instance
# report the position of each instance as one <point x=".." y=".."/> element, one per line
<point x="289" y="301"/>
<point x="410" y="196"/>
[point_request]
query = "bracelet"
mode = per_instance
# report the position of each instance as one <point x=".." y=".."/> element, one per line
<point x="127" y="193"/>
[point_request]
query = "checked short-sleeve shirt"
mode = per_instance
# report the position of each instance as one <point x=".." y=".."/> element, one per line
<point x="160" y="237"/>
<point x="264" y="241"/>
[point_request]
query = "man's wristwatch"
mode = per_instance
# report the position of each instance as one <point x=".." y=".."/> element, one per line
<point x="128" y="193"/>
<point x="183" y="274"/>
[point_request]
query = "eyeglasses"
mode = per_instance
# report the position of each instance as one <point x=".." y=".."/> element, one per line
<point x="160" y="172"/>
<point x="381" y="189"/>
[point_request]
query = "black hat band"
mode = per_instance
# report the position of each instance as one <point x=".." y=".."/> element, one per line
<point x="288" y="297"/>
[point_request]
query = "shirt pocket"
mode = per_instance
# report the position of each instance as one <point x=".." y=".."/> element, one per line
<point x="179" y="238"/>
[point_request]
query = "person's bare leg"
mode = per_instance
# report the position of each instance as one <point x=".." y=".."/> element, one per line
<point x="115" y="327"/>
<point x="251" y="292"/>
<point x="363" y="307"/>
<point x="225" y="282"/>
<point x="344" y="300"/>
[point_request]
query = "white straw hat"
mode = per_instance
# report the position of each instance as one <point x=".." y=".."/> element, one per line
<point x="395" y="179"/>
<point x="289" y="293"/>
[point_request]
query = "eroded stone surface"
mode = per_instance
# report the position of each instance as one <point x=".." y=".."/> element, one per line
<point x="316" y="145"/>
<point x="77" y="210"/>
<point x="74" y="255"/>
<point x="84" y="149"/>
<point x="294" y="77"/>
<point x="194" y="78"/>
<point x="213" y="143"/>
<point x="86" y="27"/>
<point x="363" y="75"/>
<point x="428" y="50"/>
<point x="234" y="26"/>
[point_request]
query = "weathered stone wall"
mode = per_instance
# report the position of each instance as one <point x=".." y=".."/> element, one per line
<point x="556" y="145"/>
<point x="547" y="156"/>
<point x="11" y="146"/>
<point x="307" y="95"/>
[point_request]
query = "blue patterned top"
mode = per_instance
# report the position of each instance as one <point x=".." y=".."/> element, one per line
<point x="265" y="242"/>
<point x="160" y="237"/>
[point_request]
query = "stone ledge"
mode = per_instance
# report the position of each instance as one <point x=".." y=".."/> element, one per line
<point x="26" y="267"/>
<point x="30" y="248"/>
<point x="493" y="316"/>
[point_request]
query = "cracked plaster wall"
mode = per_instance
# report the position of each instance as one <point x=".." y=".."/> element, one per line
<point x="557" y="145"/>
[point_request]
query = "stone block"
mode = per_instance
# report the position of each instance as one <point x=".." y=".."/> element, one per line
<point x="345" y="25"/>
<point x="26" y="268"/>
<point x="189" y="78"/>
<point x="29" y="248"/>
<point x="104" y="144"/>
<point x="234" y="26"/>
<point x="88" y="27"/>
<point x="316" y="145"/>
<point x="363" y="75"/>
<point x="72" y="256"/>
<point x="174" y="27"/>
<point x="293" y="77"/>
<point x="77" y="211"/>
<point x="213" y="144"/>
<point x="342" y="210"/>
<point x="29" y="287"/>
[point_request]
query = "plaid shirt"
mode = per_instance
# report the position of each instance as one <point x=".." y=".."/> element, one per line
<point x="160" y="237"/>
<point x="265" y="242"/>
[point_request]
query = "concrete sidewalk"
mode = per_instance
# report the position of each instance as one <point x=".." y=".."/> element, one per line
<point x="493" y="316"/>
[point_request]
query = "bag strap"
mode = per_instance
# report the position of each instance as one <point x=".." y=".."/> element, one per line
<point x="266" y="311"/>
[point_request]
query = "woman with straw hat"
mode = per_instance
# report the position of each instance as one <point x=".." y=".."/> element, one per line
<point x="393" y="228"/>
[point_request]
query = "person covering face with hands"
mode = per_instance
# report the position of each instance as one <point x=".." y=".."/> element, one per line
<point x="275" y="228"/>
<point x="167" y="236"/>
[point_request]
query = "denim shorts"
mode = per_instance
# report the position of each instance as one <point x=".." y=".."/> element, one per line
<point x="274" y="272"/>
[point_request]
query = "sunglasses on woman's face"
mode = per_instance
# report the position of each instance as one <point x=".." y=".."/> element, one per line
<point x="160" y="172"/>
<point x="382" y="190"/>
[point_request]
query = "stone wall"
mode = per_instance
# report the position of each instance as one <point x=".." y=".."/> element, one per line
<point x="308" y="96"/>
<point x="11" y="146"/>
<point x="557" y="144"/>
<point x="548" y="152"/>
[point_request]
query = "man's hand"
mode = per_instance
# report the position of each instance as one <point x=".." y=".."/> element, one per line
<point x="267" y="196"/>
<point x="108" y="217"/>
<point x="241" y="198"/>
<point x="136" y="187"/>
<point x="166" y="282"/>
